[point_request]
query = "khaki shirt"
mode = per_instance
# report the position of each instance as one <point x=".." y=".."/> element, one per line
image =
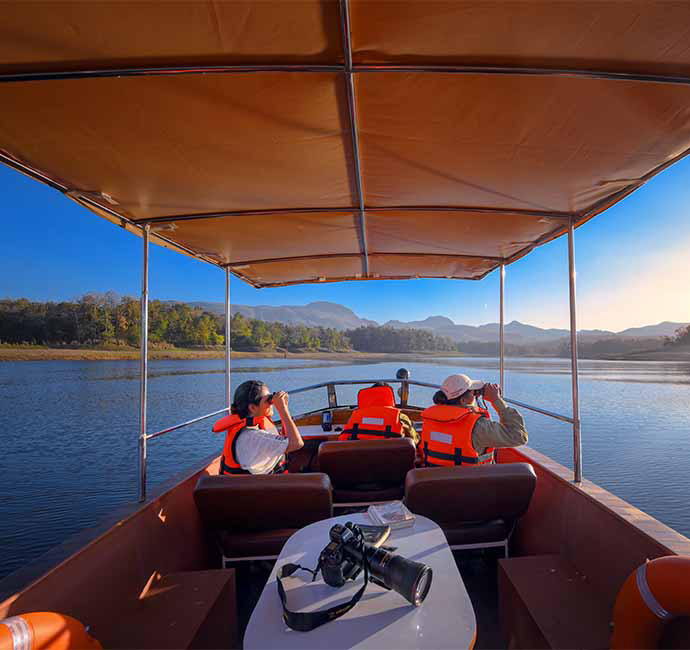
<point x="508" y="432"/>
<point x="408" y="428"/>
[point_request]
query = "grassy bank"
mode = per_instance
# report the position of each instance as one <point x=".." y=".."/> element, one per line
<point x="41" y="353"/>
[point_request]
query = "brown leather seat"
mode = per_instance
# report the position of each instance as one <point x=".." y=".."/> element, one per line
<point x="363" y="471"/>
<point x="253" y="516"/>
<point x="475" y="506"/>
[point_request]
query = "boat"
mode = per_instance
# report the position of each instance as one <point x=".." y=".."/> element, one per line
<point x="322" y="141"/>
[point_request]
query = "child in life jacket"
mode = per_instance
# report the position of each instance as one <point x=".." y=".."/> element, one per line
<point x="457" y="432"/>
<point x="252" y="443"/>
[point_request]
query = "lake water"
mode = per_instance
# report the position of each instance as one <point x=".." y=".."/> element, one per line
<point x="69" y="429"/>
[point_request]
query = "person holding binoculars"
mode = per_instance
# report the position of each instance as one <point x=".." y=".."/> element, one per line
<point x="456" y="431"/>
<point x="252" y="443"/>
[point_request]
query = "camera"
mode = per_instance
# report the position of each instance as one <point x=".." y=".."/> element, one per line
<point x="346" y="554"/>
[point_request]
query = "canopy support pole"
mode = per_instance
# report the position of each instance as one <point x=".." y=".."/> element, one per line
<point x="144" y="364"/>
<point x="228" y="396"/>
<point x="577" y="441"/>
<point x="501" y="341"/>
<point x="352" y="106"/>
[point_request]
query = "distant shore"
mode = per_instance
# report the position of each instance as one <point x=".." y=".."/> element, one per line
<point x="42" y="353"/>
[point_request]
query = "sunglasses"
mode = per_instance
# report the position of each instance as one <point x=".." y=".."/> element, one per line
<point x="268" y="398"/>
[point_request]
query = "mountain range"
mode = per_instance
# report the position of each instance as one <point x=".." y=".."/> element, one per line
<point x="329" y="314"/>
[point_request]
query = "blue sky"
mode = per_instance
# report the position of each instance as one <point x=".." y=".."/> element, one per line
<point x="633" y="265"/>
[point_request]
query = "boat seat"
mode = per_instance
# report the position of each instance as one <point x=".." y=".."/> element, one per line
<point x="476" y="507"/>
<point x="190" y="609"/>
<point x="251" y="517"/>
<point x="367" y="471"/>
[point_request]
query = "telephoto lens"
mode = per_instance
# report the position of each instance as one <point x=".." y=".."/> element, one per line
<point x="410" y="579"/>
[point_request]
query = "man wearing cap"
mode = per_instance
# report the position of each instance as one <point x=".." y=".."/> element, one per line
<point x="457" y="432"/>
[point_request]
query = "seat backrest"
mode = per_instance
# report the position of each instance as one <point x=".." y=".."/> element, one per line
<point x="451" y="495"/>
<point x="263" y="502"/>
<point x="358" y="462"/>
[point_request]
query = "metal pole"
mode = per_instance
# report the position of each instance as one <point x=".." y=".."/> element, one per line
<point x="577" y="441"/>
<point x="352" y="107"/>
<point x="228" y="396"/>
<point x="501" y="342"/>
<point x="144" y="364"/>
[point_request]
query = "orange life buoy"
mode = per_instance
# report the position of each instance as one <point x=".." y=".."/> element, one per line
<point x="45" y="631"/>
<point x="653" y="594"/>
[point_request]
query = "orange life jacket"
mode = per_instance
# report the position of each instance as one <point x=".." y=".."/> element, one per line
<point x="376" y="416"/>
<point x="234" y="424"/>
<point x="447" y="436"/>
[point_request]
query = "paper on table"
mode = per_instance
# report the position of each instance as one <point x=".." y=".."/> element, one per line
<point x="394" y="514"/>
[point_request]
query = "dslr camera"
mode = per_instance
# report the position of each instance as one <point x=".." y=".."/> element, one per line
<point x="345" y="555"/>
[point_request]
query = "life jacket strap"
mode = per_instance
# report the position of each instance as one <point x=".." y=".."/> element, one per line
<point x="226" y="469"/>
<point x="356" y="431"/>
<point x="456" y="457"/>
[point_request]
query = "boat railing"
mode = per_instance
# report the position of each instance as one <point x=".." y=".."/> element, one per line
<point x="404" y="395"/>
<point x="185" y="424"/>
<point x="330" y="386"/>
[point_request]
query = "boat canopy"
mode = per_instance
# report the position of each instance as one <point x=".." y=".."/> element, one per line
<point x="320" y="141"/>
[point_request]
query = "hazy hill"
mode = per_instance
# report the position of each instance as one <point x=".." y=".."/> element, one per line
<point x="666" y="328"/>
<point x="330" y="314"/>
<point x="519" y="333"/>
<point x="515" y="332"/>
<point x="315" y="314"/>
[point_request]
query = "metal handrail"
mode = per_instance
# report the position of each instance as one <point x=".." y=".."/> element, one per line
<point x="412" y="382"/>
<point x="184" y="424"/>
<point x="347" y="382"/>
<point x="350" y="382"/>
<point x="536" y="409"/>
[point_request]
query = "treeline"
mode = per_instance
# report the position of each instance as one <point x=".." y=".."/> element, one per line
<point x="107" y="319"/>
<point x="389" y="339"/>
<point x="98" y="319"/>
<point x="252" y="334"/>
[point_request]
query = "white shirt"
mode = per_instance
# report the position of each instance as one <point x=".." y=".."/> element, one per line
<point x="259" y="451"/>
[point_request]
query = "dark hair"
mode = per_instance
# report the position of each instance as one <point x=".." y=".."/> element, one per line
<point x="248" y="392"/>
<point x="440" y="398"/>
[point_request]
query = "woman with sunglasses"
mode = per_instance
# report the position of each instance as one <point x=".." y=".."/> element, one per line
<point x="252" y="444"/>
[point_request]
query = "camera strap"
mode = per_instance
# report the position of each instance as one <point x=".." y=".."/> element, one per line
<point x="306" y="621"/>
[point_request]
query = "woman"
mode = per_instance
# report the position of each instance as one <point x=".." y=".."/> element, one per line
<point x="252" y="443"/>
<point x="457" y="432"/>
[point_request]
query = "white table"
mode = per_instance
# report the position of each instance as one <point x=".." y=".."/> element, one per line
<point x="381" y="619"/>
<point x="314" y="430"/>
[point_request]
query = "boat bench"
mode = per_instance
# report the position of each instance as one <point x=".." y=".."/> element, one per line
<point x="476" y="507"/>
<point x="367" y="471"/>
<point x="192" y="609"/>
<point x="545" y="602"/>
<point x="251" y="517"/>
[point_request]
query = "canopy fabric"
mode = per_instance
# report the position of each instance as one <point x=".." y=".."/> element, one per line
<point x="431" y="139"/>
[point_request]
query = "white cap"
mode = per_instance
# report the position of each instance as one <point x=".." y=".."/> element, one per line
<point x="456" y="385"/>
